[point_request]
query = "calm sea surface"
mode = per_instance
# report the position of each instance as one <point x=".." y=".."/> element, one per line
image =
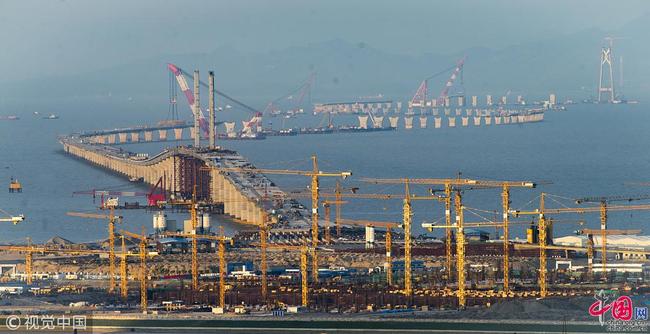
<point x="587" y="150"/>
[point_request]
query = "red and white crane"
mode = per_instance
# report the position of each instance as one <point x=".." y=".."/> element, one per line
<point x="301" y="92"/>
<point x="445" y="91"/>
<point x="180" y="74"/>
<point x="185" y="88"/>
<point x="420" y="97"/>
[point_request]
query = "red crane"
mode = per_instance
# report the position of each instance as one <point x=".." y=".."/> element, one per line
<point x="421" y="95"/>
<point x="155" y="196"/>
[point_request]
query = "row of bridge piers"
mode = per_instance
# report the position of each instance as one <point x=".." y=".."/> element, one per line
<point x="182" y="169"/>
<point x="127" y="137"/>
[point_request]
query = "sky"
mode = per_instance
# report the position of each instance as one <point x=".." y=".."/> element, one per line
<point x="69" y="37"/>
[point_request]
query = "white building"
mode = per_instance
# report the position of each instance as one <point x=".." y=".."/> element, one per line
<point x="635" y="242"/>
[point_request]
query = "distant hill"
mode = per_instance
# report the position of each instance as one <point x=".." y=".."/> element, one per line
<point x="567" y="65"/>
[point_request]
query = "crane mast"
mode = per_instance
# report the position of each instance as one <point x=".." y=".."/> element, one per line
<point x="460" y="250"/>
<point x="407" y="215"/>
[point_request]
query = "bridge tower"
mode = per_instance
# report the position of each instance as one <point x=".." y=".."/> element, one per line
<point x="211" y="106"/>
<point x="606" y="86"/>
<point x="197" y="111"/>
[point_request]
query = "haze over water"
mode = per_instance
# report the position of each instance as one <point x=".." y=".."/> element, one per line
<point x="588" y="150"/>
<point x="102" y="65"/>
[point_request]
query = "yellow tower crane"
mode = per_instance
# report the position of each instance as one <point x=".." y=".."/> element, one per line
<point x="449" y="186"/>
<point x="338" y="201"/>
<point x="124" y="255"/>
<point x="543" y="288"/>
<point x="193" y="208"/>
<point x="603" y="201"/>
<point x="29" y="251"/>
<point x="221" y="251"/>
<point x="590" y="242"/>
<point x="142" y="252"/>
<point x="315" y="174"/>
<point x="264" y="235"/>
<point x="304" y="276"/>
<point x="461" y="254"/>
<point x="111" y="239"/>
<point x="123" y="279"/>
<point x="542" y="213"/>
<point x="328" y="216"/>
<point x="388" y="240"/>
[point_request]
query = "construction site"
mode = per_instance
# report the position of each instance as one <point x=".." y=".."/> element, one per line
<point x="304" y="259"/>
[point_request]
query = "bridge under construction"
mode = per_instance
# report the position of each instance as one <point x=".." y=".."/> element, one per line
<point x="183" y="168"/>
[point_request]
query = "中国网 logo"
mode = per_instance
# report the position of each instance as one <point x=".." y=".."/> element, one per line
<point x="618" y="313"/>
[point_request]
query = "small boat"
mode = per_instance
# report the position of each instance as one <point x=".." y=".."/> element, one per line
<point x="9" y="118"/>
<point x="136" y="179"/>
<point x="51" y="116"/>
<point x="15" y="186"/>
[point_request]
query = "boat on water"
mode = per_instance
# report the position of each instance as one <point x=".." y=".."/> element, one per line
<point x="9" y="118"/>
<point x="51" y="116"/>
<point x="136" y="179"/>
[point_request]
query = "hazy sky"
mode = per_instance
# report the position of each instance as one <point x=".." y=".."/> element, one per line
<point x="76" y="36"/>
